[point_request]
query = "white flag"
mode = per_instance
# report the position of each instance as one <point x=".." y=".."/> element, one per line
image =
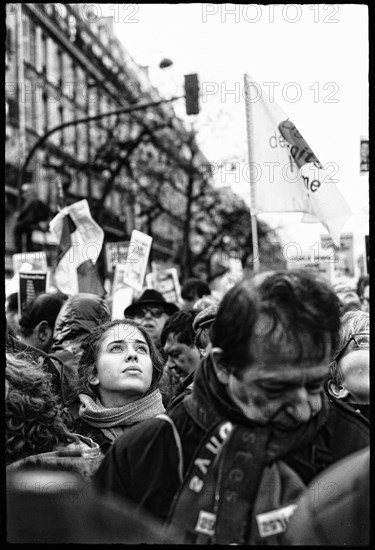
<point x="286" y="174"/>
<point x="80" y="242"/>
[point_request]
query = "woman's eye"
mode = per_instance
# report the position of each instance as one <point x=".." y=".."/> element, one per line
<point x="117" y="347"/>
<point x="142" y="349"/>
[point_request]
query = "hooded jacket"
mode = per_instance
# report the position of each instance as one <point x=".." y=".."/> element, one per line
<point x="229" y="474"/>
<point x="79" y="315"/>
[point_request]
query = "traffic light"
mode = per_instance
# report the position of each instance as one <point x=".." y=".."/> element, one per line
<point x="191" y="94"/>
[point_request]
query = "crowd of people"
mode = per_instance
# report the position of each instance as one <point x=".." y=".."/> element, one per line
<point x="234" y="419"/>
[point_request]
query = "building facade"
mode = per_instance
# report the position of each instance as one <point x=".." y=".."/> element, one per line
<point x="63" y="63"/>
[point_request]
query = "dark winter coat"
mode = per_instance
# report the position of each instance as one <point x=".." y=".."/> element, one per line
<point x="335" y="509"/>
<point x="79" y="315"/>
<point x="143" y="465"/>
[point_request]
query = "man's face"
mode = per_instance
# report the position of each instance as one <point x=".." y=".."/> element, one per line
<point x="182" y="359"/>
<point x="277" y="391"/>
<point x="348" y="298"/>
<point x="153" y="319"/>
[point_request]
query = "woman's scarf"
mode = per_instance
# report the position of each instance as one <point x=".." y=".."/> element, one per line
<point x="112" y="420"/>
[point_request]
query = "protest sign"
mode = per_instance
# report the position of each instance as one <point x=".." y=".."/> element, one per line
<point x="37" y="260"/>
<point x="364" y="152"/>
<point x="137" y="258"/>
<point x="31" y="283"/>
<point x="343" y="257"/>
<point x="320" y="265"/>
<point x="116" y="253"/>
<point x="166" y="282"/>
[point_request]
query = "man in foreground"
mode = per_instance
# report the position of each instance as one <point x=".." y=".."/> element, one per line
<point x="229" y="462"/>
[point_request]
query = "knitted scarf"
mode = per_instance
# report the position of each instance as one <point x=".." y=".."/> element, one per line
<point x="112" y="420"/>
<point x="216" y="500"/>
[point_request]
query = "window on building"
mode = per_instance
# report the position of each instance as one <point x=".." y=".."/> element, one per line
<point x="26" y="36"/>
<point x="29" y="95"/>
<point x="32" y="44"/>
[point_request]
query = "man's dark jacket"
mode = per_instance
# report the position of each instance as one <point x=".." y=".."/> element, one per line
<point x="143" y="464"/>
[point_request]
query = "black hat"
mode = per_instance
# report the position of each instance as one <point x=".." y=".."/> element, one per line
<point x="150" y="297"/>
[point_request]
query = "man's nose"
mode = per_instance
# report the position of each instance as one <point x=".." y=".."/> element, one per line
<point x="170" y="364"/>
<point x="299" y="405"/>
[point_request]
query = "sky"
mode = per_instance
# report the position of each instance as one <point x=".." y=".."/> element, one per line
<point x="317" y="57"/>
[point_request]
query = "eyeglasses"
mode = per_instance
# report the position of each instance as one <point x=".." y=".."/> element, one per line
<point x="361" y="341"/>
<point x="154" y="311"/>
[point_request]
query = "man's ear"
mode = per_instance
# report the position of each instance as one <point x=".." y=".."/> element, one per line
<point x="337" y="391"/>
<point x="43" y="331"/>
<point x="221" y="370"/>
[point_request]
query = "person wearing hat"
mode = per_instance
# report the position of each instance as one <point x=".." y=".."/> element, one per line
<point x="201" y="326"/>
<point x="151" y="310"/>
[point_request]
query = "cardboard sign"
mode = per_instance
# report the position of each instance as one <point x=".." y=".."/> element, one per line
<point x="30" y="284"/>
<point x="137" y="258"/>
<point x="343" y="257"/>
<point x="116" y="253"/>
<point x="37" y="260"/>
<point x="166" y="282"/>
<point x="321" y="265"/>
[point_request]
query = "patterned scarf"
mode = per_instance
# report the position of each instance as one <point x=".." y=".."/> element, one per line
<point x="112" y="420"/>
<point x="215" y="503"/>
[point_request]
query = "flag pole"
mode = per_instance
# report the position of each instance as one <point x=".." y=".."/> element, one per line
<point x="250" y="138"/>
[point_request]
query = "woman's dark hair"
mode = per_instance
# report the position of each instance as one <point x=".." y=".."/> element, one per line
<point x="276" y="306"/>
<point x="44" y="307"/>
<point x="90" y="350"/>
<point x="35" y="420"/>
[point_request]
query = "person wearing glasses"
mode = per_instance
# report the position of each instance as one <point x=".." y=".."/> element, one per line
<point x="231" y="461"/>
<point x="349" y="371"/>
<point x="151" y="310"/>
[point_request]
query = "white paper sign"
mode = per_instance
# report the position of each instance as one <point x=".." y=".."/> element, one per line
<point x="136" y="263"/>
<point x="321" y="265"/>
<point x="166" y="282"/>
<point x="38" y="260"/>
<point x="343" y="257"/>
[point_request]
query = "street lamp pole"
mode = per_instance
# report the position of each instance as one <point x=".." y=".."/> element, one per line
<point x="122" y="110"/>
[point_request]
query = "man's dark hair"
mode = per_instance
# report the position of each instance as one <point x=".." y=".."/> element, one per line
<point x="194" y="286"/>
<point x="276" y="307"/>
<point x="44" y="307"/>
<point x="180" y="324"/>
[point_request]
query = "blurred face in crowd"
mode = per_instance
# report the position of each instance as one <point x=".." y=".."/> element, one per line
<point x="182" y="359"/>
<point x="348" y="298"/>
<point x="274" y="389"/>
<point x="354" y="363"/>
<point x="124" y="366"/>
<point x="153" y="319"/>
